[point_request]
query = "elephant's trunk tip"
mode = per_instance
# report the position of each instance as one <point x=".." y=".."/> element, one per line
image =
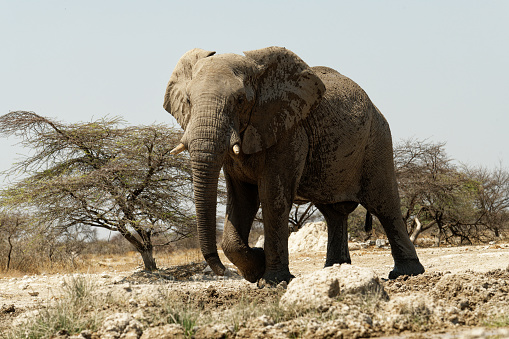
<point x="215" y="263"/>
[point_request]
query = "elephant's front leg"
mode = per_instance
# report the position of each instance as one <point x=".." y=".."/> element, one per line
<point x="241" y="209"/>
<point x="277" y="187"/>
<point x="276" y="201"/>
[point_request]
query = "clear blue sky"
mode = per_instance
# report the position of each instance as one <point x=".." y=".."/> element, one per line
<point x="436" y="69"/>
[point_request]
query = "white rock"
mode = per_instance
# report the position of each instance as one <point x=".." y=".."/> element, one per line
<point x="318" y="289"/>
<point x="312" y="237"/>
<point x="354" y="246"/>
<point x="260" y="242"/>
<point x="354" y="279"/>
<point x="121" y="325"/>
<point x="169" y="331"/>
<point x="25" y="318"/>
<point x="409" y="304"/>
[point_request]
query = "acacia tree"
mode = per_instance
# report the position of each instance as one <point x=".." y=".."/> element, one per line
<point x="103" y="174"/>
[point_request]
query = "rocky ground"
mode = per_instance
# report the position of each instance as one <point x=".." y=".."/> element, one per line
<point x="463" y="294"/>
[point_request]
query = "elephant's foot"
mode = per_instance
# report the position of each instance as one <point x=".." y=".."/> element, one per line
<point x="275" y="278"/>
<point x="329" y="263"/>
<point x="406" y="267"/>
<point x="253" y="268"/>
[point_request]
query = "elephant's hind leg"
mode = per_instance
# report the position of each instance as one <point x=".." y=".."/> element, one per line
<point x="403" y="251"/>
<point x="336" y="216"/>
<point x="387" y="209"/>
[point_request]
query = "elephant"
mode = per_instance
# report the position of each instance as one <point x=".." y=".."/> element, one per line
<point x="282" y="131"/>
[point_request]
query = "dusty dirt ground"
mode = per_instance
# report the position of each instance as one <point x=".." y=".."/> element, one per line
<point x="468" y="284"/>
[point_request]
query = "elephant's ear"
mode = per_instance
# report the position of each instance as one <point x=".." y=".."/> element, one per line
<point x="176" y="98"/>
<point x="286" y="91"/>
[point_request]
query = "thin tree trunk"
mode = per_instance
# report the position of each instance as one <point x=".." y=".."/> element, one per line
<point x="8" y="265"/>
<point x="417" y="230"/>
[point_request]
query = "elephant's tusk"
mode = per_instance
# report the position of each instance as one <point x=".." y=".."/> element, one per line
<point x="236" y="149"/>
<point x="180" y="148"/>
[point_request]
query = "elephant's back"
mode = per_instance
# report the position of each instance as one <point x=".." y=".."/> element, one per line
<point x="338" y="132"/>
<point x="343" y="117"/>
<point x="344" y="93"/>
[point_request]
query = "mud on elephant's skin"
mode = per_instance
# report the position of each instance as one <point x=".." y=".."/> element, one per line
<point x="282" y="130"/>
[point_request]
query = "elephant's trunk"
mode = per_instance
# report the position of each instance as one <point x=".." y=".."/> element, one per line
<point x="207" y="148"/>
<point x="205" y="178"/>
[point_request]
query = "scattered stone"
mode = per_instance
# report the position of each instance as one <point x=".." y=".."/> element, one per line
<point x="5" y="309"/>
<point x="354" y="246"/>
<point x="33" y="293"/>
<point x="169" y="331"/>
<point x="426" y="242"/>
<point x="283" y="285"/>
<point x="86" y="334"/>
<point x="25" y="318"/>
<point x="120" y="325"/>
<point x="264" y="321"/>
<point x="127" y="287"/>
<point x="217" y="331"/>
<point x="62" y="334"/>
<point x="380" y="243"/>
<point x="402" y="311"/>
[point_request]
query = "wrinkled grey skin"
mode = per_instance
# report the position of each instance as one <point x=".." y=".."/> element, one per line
<point x="283" y="131"/>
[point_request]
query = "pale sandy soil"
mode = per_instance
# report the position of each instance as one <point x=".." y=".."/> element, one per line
<point x="32" y="292"/>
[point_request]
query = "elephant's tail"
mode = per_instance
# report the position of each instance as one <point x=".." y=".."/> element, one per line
<point x="368" y="226"/>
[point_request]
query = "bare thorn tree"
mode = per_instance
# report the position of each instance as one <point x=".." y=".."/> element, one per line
<point x="459" y="204"/>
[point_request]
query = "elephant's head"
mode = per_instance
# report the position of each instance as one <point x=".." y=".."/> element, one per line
<point x="228" y="104"/>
